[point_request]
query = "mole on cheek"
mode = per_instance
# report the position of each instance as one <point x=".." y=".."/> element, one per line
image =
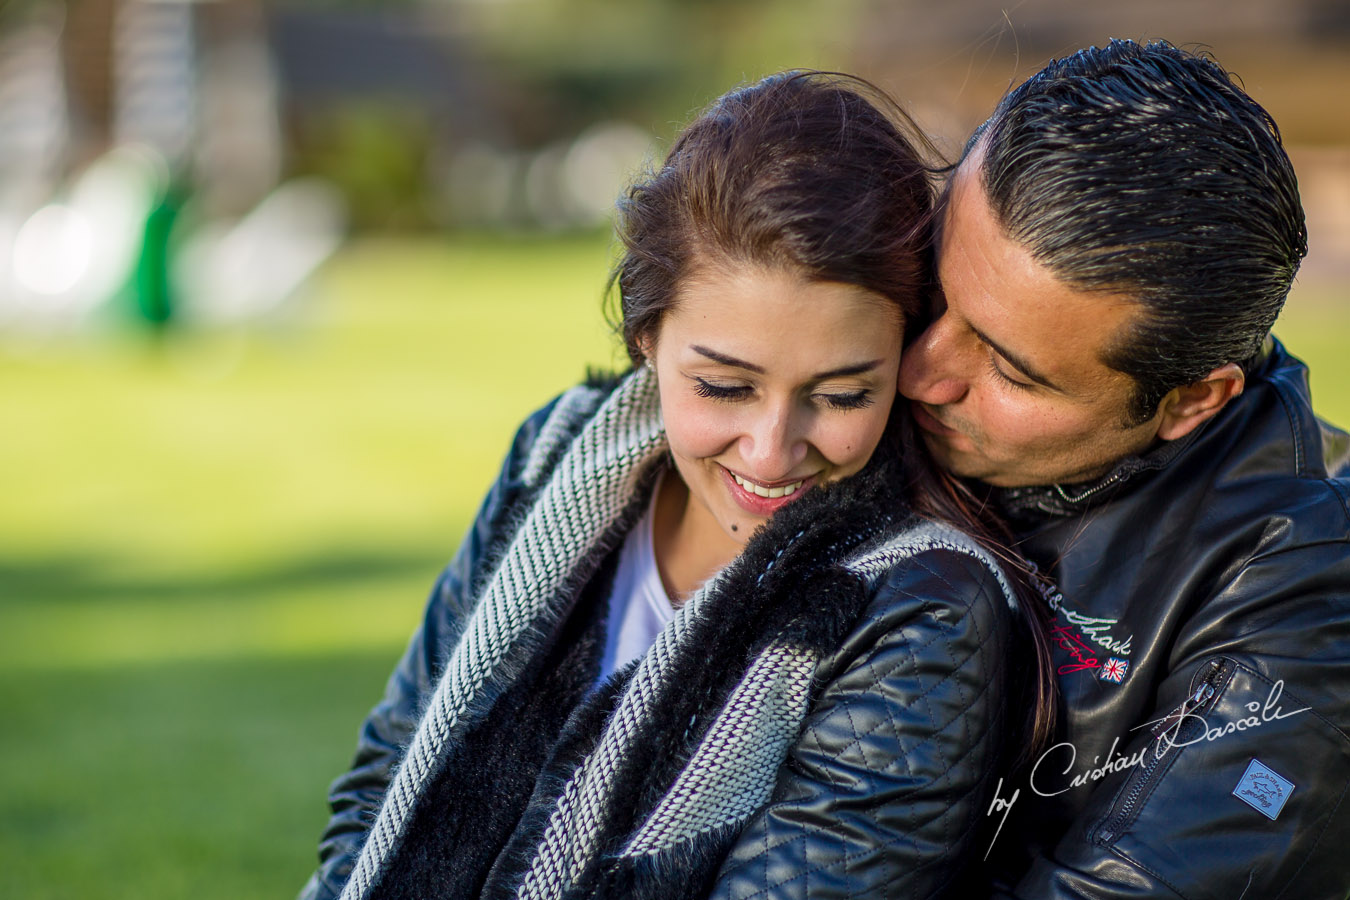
<point x="735" y="527"/>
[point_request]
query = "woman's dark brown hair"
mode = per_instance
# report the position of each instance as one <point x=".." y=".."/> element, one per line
<point x="797" y="171"/>
<point x="818" y="173"/>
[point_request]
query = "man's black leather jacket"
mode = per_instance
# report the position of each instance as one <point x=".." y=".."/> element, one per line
<point x="1202" y="644"/>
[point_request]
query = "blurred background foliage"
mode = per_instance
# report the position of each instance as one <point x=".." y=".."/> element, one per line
<point x="277" y="282"/>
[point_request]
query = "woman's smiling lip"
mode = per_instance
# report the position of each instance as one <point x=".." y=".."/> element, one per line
<point x="746" y="492"/>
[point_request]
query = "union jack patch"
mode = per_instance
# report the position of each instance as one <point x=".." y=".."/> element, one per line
<point x="1114" y="670"/>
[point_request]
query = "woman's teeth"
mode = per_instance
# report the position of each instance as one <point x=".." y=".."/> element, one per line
<point x="772" y="493"/>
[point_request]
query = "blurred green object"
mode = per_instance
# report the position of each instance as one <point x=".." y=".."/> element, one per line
<point x="150" y="279"/>
<point x="211" y="556"/>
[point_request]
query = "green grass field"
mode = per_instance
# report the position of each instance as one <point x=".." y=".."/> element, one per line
<point x="213" y="549"/>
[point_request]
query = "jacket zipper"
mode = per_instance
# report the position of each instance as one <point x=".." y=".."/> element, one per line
<point x="1199" y="701"/>
<point x="1097" y="488"/>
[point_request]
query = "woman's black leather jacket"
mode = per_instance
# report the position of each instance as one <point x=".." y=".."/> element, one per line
<point x="883" y="792"/>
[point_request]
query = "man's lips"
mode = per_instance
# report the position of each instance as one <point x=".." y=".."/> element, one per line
<point x="928" y="422"/>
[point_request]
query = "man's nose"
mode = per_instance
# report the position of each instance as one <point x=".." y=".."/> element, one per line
<point x="775" y="443"/>
<point x="931" y="368"/>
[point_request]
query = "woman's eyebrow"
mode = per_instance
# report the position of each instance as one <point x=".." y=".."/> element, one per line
<point x="724" y="359"/>
<point x="855" y="369"/>
<point x="727" y="360"/>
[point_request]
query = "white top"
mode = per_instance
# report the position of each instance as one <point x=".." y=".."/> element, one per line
<point x="638" y="605"/>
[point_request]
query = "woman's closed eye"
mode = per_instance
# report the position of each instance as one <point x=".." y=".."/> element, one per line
<point x="841" y="400"/>
<point x="714" y="391"/>
<point x="860" y="399"/>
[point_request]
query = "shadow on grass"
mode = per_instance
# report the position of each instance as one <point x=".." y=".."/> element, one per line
<point x="173" y="735"/>
<point x="81" y="612"/>
<point x="89" y="577"/>
<point x="166" y="781"/>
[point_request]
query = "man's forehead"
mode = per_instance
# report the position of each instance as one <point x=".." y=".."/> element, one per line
<point x="964" y="190"/>
<point x="1055" y="333"/>
<point x="965" y="174"/>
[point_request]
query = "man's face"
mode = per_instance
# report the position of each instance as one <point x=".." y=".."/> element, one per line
<point x="1007" y="383"/>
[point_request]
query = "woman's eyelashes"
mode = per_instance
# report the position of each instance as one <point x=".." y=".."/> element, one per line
<point x="721" y="391"/>
<point x="858" y="399"/>
<point x="853" y="400"/>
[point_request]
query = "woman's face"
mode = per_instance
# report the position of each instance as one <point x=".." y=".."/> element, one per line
<point x="769" y="384"/>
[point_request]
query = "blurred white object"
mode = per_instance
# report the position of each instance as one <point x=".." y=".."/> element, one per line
<point x="480" y="183"/>
<point x="74" y="254"/>
<point x="600" y="163"/>
<point x="545" y="192"/>
<point x="52" y="251"/>
<point x="567" y="184"/>
<point x="230" y="273"/>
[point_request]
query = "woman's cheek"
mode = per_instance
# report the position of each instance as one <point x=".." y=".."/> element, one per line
<point x="850" y="447"/>
<point x="697" y="429"/>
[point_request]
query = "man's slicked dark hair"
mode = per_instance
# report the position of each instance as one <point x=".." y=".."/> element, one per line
<point x="1144" y="170"/>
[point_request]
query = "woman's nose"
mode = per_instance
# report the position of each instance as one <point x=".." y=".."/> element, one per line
<point x="774" y="444"/>
<point x="931" y="368"/>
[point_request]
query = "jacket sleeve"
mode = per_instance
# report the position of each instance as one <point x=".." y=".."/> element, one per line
<point x="355" y="796"/>
<point x="882" y="794"/>
<point x="1235" y="784"/>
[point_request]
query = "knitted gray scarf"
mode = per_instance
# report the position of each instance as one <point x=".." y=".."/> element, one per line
<point x="732" y="771"/>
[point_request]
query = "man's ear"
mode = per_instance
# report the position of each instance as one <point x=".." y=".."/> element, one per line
<point x="1188" y="407"/>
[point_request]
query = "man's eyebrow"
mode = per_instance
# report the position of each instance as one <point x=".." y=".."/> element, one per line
<point x="1017" y="362"/>
<point x="854" y="369"/>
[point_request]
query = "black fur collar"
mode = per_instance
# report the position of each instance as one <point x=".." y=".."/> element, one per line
<point x="475" y="830"/>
